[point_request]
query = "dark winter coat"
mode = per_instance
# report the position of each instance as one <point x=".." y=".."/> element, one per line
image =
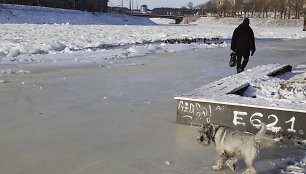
<point x="243" y="40"/>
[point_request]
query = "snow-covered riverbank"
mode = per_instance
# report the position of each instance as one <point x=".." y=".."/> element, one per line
<point x="68" y="31"/>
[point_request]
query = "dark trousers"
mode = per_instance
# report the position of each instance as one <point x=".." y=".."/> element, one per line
<point x="241" y="66"/>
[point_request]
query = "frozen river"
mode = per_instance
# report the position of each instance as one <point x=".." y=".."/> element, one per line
<point x="119" y="116"/>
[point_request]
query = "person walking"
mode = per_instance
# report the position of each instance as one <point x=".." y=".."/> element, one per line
<point x="243" y="42"/>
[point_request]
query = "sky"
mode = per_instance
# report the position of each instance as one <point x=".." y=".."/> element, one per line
<point x="156" y="3"/>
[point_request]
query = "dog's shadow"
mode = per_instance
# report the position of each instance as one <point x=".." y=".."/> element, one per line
<point x="260" y="168"/>
<point x="273" y="157"/>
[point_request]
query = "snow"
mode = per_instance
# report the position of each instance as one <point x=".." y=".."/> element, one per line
<point x="18" y="14"/>
<point x="294" y="166"/>
<point x="30" y="31"/>
<point x="274" y="92"/>
<point x="46" y="35"/>
<point x="289" y="87"/>
<point x="163" y="20"/>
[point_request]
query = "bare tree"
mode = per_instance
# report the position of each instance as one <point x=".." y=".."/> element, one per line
<point x="185" y="11"/>
<point x="237" y="7"/>
<point x="297" y="7"/>
<point x="261" y="7"/>
<point x="266" y="7"/>
<point x="283" y="9"/>
<point x="211" y="7"/>
<point x="225" y="8"/>
<point x="274" y="4"/>
<point x="288" y="9"/>
<point x="190" y="5"/>
<point x="247" y="7"/>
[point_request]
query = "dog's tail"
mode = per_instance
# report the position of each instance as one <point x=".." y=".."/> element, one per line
<point x="259" y="135"/>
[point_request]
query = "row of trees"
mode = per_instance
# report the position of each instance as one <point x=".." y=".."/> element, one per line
<point x="282" y="9"/>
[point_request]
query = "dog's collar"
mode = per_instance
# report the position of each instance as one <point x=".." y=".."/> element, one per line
<point x="217" y="128"/>
<point x="214" y="134"/>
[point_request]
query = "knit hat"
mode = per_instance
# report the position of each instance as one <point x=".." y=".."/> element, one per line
<point x="246" y="21"/>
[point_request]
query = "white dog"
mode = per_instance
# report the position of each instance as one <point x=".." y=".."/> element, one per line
<point x="230" y="143"/>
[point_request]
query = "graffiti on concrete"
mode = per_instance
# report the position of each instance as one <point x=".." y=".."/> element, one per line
<point x="255" y="121"/>
<point x="195" y="111"/>
<point x="201" y="113"/>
